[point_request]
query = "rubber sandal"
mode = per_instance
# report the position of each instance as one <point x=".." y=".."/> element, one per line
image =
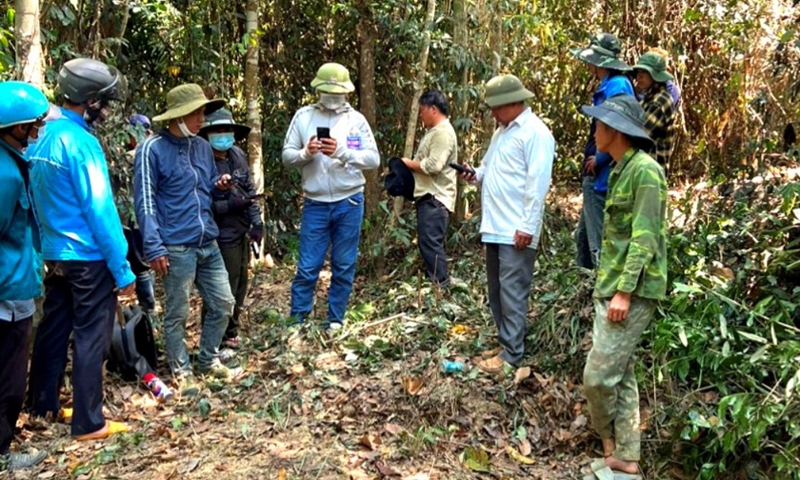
<point x="110" y="428"/>
<point x="601" y="471"/>
<point x="491" y="353"/>
<point x="491" y="365"/>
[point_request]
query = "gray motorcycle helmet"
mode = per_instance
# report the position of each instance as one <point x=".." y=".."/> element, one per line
<point x="83" y="79"/>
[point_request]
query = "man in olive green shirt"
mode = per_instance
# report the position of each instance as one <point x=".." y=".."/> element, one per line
<point x="631" y="279"/>
<point x="435" y="184"/>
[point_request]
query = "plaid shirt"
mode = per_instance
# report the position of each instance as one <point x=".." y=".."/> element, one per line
<point x="660" y="117"/>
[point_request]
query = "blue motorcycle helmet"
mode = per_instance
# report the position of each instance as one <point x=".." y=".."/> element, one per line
<point x="22" y="103"/>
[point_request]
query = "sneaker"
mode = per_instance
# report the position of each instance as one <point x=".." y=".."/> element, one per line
<point x="187" y="384"/>
<point x="334" y="326"/>
<point x="218" y="370"/>
<point x="22" y="461"/>
<point x="226" y="355"/>
<point x="231" y="342"/>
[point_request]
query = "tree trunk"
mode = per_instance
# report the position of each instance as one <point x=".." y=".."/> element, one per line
<point x="461" y="41"/>
<point x="366" y="101"/>
<point x="251" y="93"/>
<point x="29" y="46"/>
<point x="419" y="86"/>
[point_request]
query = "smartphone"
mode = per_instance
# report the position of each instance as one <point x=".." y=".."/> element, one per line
<point x="460" y="169"/>
<point x="323" y="132"/>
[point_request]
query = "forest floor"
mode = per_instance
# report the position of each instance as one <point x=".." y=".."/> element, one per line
<point x="371" y="403"/>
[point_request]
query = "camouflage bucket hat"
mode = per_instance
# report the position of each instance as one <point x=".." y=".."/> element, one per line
<point x="655" y="65"/>
<point x="505" y="89"/>
<point x="603" y="51"/>
<point x="333" y="78"/>
<point x="622" y="113"/>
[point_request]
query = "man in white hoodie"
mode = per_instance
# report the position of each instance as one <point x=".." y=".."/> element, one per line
<point x="332" y="144"/>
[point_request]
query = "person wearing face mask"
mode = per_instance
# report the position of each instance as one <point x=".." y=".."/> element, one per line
<point x="237" y="215"/>
<point x="83" y="247"/>
<point x="174" y="184"/>
<point x="21" y="118"/>
<point x="332" y="144"/>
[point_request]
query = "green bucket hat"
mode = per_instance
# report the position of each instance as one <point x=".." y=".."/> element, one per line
<point x="603" y="51"/>
<point x="622" y="113"/>
<point x="185" y="99"/>
<point x="655" y="65"/>
<point x="224" y="118"/>
<point x="333" y="78"/>
<point x="504" y="89"/>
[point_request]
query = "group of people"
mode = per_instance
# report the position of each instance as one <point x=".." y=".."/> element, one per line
<point x="197" y="214"/>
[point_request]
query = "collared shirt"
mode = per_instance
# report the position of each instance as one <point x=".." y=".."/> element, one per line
<point x="515" y="177"/>
<point x="437" y="149"/>
<point x="659" y="112"/>
<point x="611" y="86"/>
<point x="16" y="310"/>
<point x="633" y="257"/>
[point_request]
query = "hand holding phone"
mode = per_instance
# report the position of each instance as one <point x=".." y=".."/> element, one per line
<point x="462" y="169"/>
<point x="323" y="132"/>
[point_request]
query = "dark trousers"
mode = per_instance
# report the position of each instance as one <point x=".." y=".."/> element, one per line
<point x="509" y="274"/>
<point x="236" y="258"/>
<point x="13" y="371"/>
<point x="79" y="299"/>
<point x="432" y="220"/>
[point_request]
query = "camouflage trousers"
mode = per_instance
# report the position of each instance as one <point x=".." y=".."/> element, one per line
<point x="609" y="380"/>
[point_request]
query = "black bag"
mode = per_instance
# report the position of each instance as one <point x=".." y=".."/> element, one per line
<point x="400" y="180"/>
<point x="133" y="346"/>
<point x="135" y="250"/>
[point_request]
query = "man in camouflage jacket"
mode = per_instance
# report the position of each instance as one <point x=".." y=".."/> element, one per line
<point x="631" y="279"/>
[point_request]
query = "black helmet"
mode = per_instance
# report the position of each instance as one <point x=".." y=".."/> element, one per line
<point x="84" y="79"/>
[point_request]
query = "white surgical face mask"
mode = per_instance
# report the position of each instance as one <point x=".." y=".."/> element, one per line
<point x="184" y="129"/>
<point x="332" y="101"/>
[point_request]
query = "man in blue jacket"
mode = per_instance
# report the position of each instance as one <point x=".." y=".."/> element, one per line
<point x="602" y="59"/>
<point x="174" y="176"/>
<point x="83" y="247"/>
<point x="21" y="118"/>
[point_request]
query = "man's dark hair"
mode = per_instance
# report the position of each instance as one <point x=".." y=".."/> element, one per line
<point x="434" y="98"/>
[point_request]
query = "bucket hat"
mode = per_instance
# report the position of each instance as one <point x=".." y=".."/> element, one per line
<point x="400" y="180"/>
<point x="333" y="78"/>
<point x="185" y="99"/>
<point x="622" y="113"/>
<point x="603" y="51"/>
<point x="224" y="118"/>
<point x="505" y="89"/>
<point x="655" y="65"/>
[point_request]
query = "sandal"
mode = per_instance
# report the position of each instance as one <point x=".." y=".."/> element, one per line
<point x="491" y="353"/>
<point x="598" y="470"/>
<point x="110" y="428"/>
<point x="492" y="365"/>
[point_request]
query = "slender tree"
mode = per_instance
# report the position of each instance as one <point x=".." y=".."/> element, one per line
<point x="29" y="46"/>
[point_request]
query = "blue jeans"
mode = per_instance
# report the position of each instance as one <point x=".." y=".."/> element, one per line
<point x="145" y="291"/>
<point x="203" y="267"/>
<point x="336" y="225"/>
<point x="589" y="235"/>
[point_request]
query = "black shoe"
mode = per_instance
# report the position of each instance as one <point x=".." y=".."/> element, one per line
<point x="22" y="461"/>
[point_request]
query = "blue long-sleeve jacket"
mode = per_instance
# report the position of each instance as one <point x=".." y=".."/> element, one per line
<point x="172" y="188"/>
<point x="20" y="261"/>
<point x="73" y="198"/>
<point x="610" y="86"/>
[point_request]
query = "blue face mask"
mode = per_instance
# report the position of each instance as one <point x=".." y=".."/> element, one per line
<point x="221" y="142"/>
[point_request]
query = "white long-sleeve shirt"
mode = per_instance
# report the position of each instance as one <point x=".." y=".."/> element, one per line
<point x="515" y="177"/>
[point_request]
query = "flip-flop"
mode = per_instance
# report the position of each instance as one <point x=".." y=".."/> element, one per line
<point x="109" y="429"/>
<point x="485" y="355"/>
<point x="601" y="471"/>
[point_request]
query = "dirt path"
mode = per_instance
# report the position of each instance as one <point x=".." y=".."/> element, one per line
<point x="374" y="404"/>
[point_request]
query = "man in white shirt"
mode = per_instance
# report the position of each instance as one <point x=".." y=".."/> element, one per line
<point x="514" y="177"/>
